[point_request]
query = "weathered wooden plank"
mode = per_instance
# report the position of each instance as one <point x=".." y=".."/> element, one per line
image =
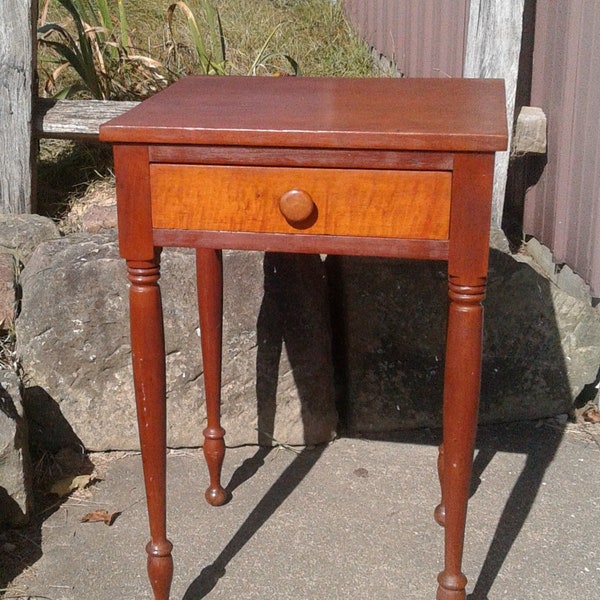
<point x="493" y="47"/>
<point x="16" y="89"/>
<point x="74" y="119"/>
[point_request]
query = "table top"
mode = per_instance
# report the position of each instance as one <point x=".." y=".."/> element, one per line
<point x="448" y="115"/>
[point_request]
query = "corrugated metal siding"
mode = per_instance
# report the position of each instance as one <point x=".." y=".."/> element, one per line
<point x="563" y="209"/>
<point x="426" y="38"/>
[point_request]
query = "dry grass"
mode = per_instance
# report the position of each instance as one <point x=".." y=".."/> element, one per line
<point x="8" y="355"/>
<point x="313" y="32"/>
<point x="65" y="171"/>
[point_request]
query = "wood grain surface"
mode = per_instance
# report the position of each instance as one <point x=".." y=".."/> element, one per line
<point x="405" y="204"/>
<point x="461" y="115"/>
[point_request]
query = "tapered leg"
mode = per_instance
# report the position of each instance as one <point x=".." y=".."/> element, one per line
<point x="209" y="271"/>
<point x="461" y="400"/>
<point x="148" y="356"/>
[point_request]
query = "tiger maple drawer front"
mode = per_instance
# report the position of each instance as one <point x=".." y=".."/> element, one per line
<point x="378" y="203"/>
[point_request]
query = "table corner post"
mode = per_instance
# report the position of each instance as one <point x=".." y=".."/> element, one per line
<point x="132" y="170"/>
<point x="467" y="276"/>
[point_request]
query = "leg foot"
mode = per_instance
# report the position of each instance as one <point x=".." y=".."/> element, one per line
<point x="451" y="587"/>
<point x="160" y="568"/>
<point x="439" y="515"/>
<point x="214" y="452"/>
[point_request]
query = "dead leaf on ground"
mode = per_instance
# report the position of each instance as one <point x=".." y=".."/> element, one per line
<point x="63" y="487"/>
<point x="101" y="516"/>
<point x="588" y="413"/>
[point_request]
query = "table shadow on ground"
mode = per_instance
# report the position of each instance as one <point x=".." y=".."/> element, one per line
<point x="538" y="442"/>
<point x="389" y="325"/>
<point x="293" y="314"/>
<point x="536" y="338"/>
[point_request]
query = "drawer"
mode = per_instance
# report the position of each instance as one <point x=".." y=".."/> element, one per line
<point x="352" y="202"/>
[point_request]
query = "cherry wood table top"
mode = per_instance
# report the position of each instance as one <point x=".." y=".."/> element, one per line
<point x="462" y="115"/>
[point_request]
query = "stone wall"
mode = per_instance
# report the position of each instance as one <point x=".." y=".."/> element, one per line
<point x="541" y="343"/>
<point x="73" y="341"/>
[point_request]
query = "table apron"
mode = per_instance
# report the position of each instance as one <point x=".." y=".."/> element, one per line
<point x="303" y="243"/>
<point x="302" y="157"/>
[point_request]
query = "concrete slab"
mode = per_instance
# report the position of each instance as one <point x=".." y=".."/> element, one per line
<point x="351" y="520"/>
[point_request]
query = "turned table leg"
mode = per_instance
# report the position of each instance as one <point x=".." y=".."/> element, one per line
<point x="461" y="400"/>
<point x="209" y="272"/>
<point x="148" y="356"/>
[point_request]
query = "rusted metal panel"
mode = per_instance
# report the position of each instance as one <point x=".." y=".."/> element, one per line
<point x="563" y="209"/>
<point x="425" y="38"/>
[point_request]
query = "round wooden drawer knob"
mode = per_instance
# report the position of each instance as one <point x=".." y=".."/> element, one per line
<point x="296" y="206"/>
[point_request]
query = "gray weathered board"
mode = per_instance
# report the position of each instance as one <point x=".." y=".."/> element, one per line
<point x="16" y="87"/>
<point x="493" y="47"/>
<point x="75" y="119"/>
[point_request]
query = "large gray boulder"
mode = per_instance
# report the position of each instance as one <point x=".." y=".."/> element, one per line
<point x="541" y="344"/>
<point x="19" y="235"/>
<point x="23" y="233"/>
<point x="73" y="340"/>
<point x="15" y="468"/>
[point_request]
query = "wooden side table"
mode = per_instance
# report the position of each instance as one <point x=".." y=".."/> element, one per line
<point x="379" y="167"/>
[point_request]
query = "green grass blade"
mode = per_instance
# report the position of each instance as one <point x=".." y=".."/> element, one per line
<point x="194" y="31"/>
<point x="293" y="63"/>
<point x="105" y="18"/>
<point x="260" y="57"/>
<point x="215" y="29"/>
<point x="125" y="38"/>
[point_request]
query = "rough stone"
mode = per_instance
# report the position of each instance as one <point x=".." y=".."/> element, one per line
<point x="7" y="289"/>
<point x="22" y="233"/>
<point x="573" y="284"/>
<point x="15" y="470"/>
<point x="97" y="218"/>
<point x="530" y="131"/>
<point x="541" y="345"/>
<point x="540" y="258"/>
<point x="73" y="340"/>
